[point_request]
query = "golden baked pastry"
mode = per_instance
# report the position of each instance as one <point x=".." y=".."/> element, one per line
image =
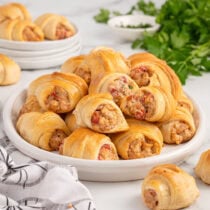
<point x="10" y="71"/>
<point x="45" y="130"/>
<point x="202" y="169"/>
<point x="71" y="122"/>
<point x="31" y="104"/>
<point x="87" y="144"/>
<point x="141" y="140"/>
<point x="186" y="102"/>
<point x="55" y="26"/>
<point x="146" y="70"/>
<point x="105" y="60"/>
<point x="20" y="30"/>
<point x="58" y="92"/>
<point x="14" y="10"/>
<point x="168" y="187"/>
<point x="179" y="128"/>
<point x="78" y="66"/>
<point x="149" y="103"/>
<point x="117" y="84"/>
<point x="99" y="113"/>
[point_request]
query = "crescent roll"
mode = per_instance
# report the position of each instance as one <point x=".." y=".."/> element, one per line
<point x="99" y="113"/>
<point x="87" y="144"/>
<point x="45" y="130"/>
<point x="179" y="128"/>
<point x="78" y="66"/>
<point x="168" y="187"/>
<point x="71" y="122"/>
<point x="142" y="139"/>
<point x="20" y="30"/>
<point x="14" y="11"/>
<point x="149" y="103"/>
<point x="118" y="85"/>
<point x="202" y="169"/>
<point x="55" y="26"/>
<point x="58" y="92"/>
<point x="10" y="71"/>
<point x="185" y="102"/>
<point x="105" y="60"/>
<point x="147" y="69"/>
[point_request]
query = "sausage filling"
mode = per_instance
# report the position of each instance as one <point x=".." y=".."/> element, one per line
<point x="62" y="32"/>
<point x="104" y="118"/>
<point x="140" y="106"/>
<point x="58" y="101"/>
<point x="107" y="153"/>
<point x="56" y="139"/>
<point x="141" y="75"/>
<point x="140" y="148"/>
<point x="151" y="198"/>
<point x="180" y="132"/>
<point x="30" y="35"/>
<point x="119" y="88"/>
<point x="83" y="73"/>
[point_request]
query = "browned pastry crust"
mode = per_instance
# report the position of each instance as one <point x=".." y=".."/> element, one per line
<point x="102" y="60"/>
<point x="20" y="30"/>
<point x="14" y="11"/>
<point x="202" y="169"/>
<point x="55" y="27"/>
<point x="58" y="92"/>
<point x="149" y="103"/>
<point x="154" y="71"/>
<point x="179" y="128"/>
<point x="141" y="140"/>
<point x="45" y="130"/>
<point x="78" y="66"/>
<point x="10" y="71"/>
<point x="117" y="84"/>
<point x="87" y="144"/>
<point x="99" y="113"/>
<point x="168" y="187"/>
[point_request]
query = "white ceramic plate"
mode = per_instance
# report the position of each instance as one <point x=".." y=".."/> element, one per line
<point x="47" y="61"/>
<point x="96" y="170"/>
<point x="131" y="34"/>
<point x="37" y="53"/>
<point x="37" y="46"/>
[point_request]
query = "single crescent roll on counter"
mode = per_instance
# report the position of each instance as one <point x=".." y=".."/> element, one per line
<point x="141" y="140"/>
<point x="10" y="71"/>
<point x="99" y="113"/>
<point x="87" y="144"/>
<point x="45" y="130"/>
<point x="168" y="187"/>
<point x="55" y="26"/>
<point x="202" y="169"/>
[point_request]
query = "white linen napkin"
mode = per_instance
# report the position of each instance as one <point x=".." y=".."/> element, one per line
<point x="26" y="184"/>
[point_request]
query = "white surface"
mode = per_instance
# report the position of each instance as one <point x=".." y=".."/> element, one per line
<point x="131" y="34"/>
<point x="119" y="195"/>
<point x="95" y="170"/>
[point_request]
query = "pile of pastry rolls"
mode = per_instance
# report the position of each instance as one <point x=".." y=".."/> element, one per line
<point x="16" y="24"/>
<point x="107" y="107"/>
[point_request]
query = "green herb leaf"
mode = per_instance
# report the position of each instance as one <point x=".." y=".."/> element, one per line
<point x="103" y="16"/>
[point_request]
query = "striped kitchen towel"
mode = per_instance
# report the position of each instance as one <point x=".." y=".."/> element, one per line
<point x="27" y="184"/>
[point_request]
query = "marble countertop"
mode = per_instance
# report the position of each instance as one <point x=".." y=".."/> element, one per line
<point x="115" y="195"/>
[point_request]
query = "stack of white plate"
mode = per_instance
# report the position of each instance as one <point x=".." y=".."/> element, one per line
<point x="44" y="54"/>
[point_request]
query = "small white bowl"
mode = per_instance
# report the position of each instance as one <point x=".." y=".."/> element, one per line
<point x="120" y="24"/>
